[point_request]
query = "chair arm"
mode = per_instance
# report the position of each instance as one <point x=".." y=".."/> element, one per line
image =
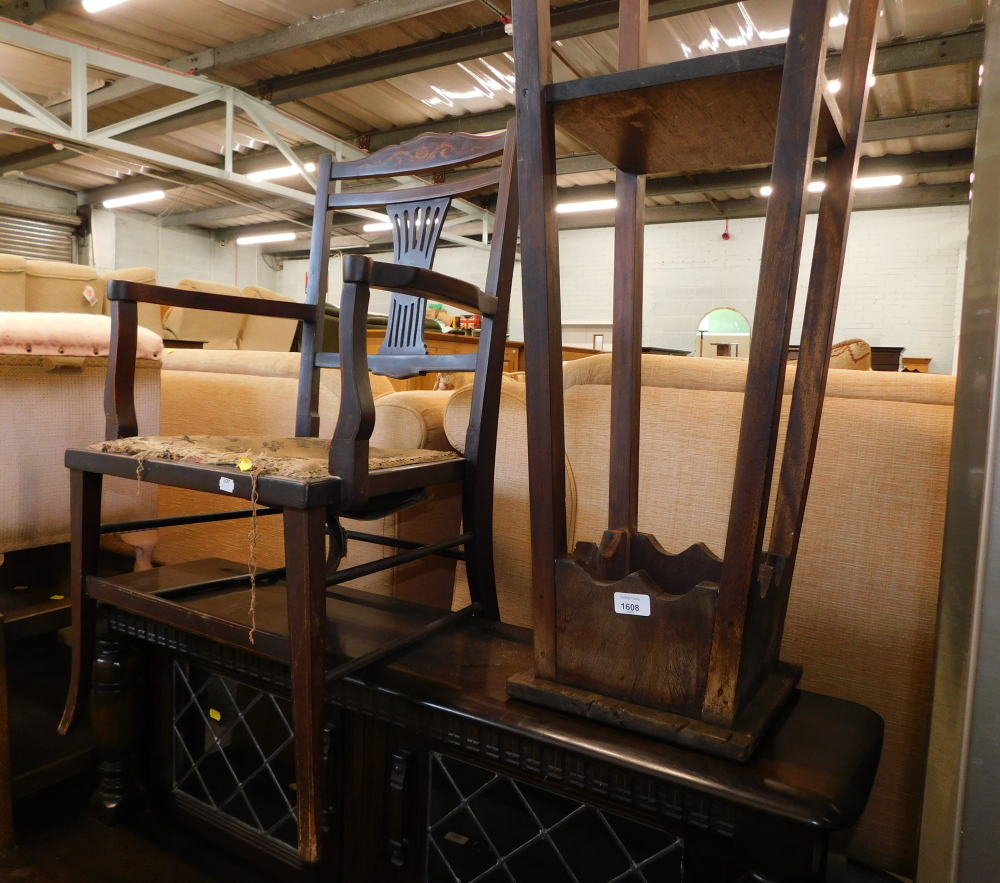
<point x="419" y="282"/>
<point x="139" y="292"/>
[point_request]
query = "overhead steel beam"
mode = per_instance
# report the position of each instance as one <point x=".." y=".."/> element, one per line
<point x="748" y="179"/>
<point x="909" y="125"/>
<point x="29" y="11"/>
<point x="909" y="55"/>
<point x="30" y="115"/>
<point x="754" y="207"/>
<point x="575" y="21"/>
<point x="342" y="23"/>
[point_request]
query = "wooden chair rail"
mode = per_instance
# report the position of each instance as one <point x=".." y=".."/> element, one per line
<point x="140" y="292"/>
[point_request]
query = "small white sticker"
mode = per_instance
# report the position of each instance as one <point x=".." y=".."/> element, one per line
<point x="228" y="485"/>
<point x="90" y="296"/>
<point x="631" y="605"/>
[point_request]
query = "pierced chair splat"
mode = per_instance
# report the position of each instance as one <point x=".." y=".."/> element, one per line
<point x="311" y="481"/>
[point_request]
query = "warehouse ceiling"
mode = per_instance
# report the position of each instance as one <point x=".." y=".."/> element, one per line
<point x="371" y="73"/>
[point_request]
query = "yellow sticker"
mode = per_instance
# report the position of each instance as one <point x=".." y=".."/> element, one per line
<point x="245" y="464"/>
<point x="20" y="588"/>
<point x="170" y="351"/>
<point x="57" y="597"/>
<point x="215" y="715"/>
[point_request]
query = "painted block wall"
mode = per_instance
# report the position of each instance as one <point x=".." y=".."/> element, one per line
<point x="901" y="278"/>
<point x="900" y="287"/>
<point x="186" y="253"/>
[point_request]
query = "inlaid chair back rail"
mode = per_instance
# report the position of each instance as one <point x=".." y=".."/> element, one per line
<point x="416" y="229"/>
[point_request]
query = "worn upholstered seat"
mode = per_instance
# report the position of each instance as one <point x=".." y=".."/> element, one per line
<point x="301" y="458"/>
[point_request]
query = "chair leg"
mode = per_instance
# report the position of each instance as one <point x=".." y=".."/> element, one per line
<point x="85" y="542"/>
<point x="114" y="716"/>
<point x="477" y="519"/>
<point x="305" y="560"/>
<point x="6" y="804"/>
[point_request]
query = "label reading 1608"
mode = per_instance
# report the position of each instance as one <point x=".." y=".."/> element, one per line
<point x="631" y="605"/>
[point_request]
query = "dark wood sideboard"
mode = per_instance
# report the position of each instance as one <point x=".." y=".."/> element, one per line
<point x="436" y="775"/>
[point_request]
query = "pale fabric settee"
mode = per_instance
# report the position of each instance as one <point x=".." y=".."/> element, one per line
<point x="52" y="370"/>
<point x="862" y="614"/>
<point x="218" y="390"/>
<point x="212" y="392"/>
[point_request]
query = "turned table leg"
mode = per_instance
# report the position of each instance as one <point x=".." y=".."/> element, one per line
<point x="114" y="713"/>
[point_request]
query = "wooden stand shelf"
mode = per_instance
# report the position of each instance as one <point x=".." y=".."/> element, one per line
<point x="683" y="646"/>
<point x="648" y="114"/>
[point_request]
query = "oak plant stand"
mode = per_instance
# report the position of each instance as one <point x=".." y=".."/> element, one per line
<point x="684" y="647"/>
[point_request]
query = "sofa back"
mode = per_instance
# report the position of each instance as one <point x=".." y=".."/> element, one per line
<point x="862" y="612"/>
<point x="11" y="283"/>
<point x="265" y="333"/>
<point x="149" y="314"/>
<point x="61" y="287"/>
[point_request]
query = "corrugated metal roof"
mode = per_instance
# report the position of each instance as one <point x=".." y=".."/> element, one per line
<point x="160" y="32"/>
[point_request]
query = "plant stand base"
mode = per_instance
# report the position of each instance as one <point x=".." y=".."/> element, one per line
<point x="733" y="744"/>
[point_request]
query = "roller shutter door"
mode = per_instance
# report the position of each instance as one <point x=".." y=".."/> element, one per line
<point x="36" y="234"/>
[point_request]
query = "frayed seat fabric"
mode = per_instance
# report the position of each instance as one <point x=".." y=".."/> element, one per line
<point x="66" y="334"/>
<point x="304" y="459"/>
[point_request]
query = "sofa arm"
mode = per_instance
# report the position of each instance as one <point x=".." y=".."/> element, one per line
<point x="411" y="419"/>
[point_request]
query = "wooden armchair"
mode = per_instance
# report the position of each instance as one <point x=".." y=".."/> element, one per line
<point x="312" y="481"/>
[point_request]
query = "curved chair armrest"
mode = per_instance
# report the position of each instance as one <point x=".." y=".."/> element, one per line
<point x="419" y="282"/>
<point x="122" y="290"/>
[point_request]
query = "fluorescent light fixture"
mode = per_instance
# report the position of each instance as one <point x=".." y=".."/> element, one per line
<point x="878" y="181"/>
<point x="135" y="199"/>
<point x="100" y="5"/>
<point x="859" y="184"/>
<point x="280" y="172"/>
<point x="834" y="85"/>
<point x="814" y="187"/>
<point x="377" y="227"/>
<point x="265" y="237"/>
<point x="596" y="205"/>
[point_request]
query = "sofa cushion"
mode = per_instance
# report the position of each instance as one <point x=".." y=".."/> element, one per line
<point x="265" y="332"/>
<point x="219" y="331"/>
<point x="854" y="354"/>
<point x="150" y="315"/>
<point x="11" y="282"/>
<point x="66" y="334"/>
<point x="60" y="287"/>
<point x="255" y="363"/>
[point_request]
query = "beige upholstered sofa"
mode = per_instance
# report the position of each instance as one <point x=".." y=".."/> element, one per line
<point x="862" y="614"/>
<point x="253" y="393"/>
<point x="52" y="370"/>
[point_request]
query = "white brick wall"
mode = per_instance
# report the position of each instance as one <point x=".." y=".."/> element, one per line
<point x="899" y="288"/>
<point x="186" y="253"/>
